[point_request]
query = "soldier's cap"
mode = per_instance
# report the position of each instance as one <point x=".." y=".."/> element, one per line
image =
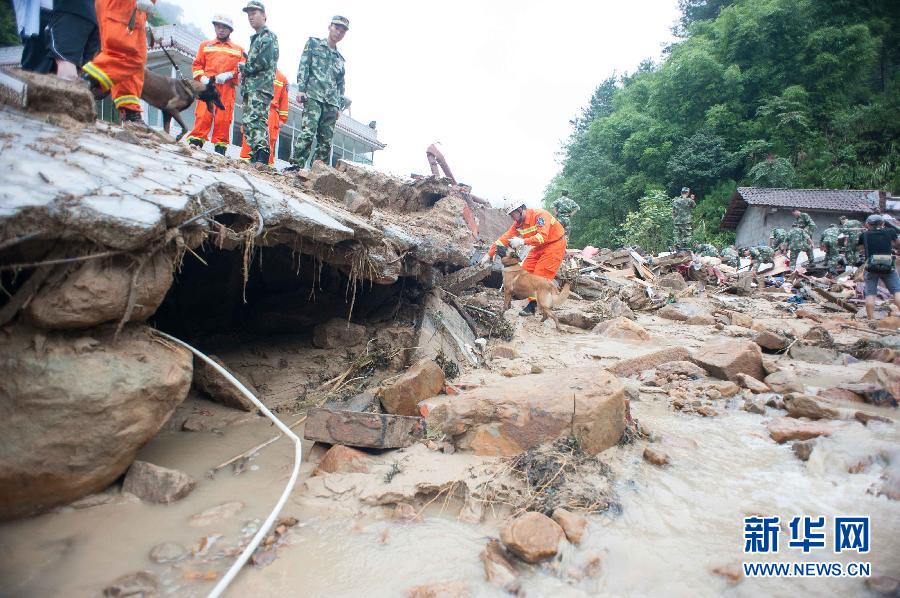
<point x="254" y="5"/>
<point x="874" y="219"/>
<point x="685" y="189"/>
<point x="339" y="20"/>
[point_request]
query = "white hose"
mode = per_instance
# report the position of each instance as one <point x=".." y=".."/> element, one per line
<point x="270" y="520"/>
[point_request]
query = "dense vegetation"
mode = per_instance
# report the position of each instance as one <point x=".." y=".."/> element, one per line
<point x="792" y="93"/>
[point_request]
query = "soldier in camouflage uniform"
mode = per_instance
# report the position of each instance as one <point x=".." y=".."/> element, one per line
<point x="762" y="254"/>
<point x="320" y="80"/>
<point x="803" y="221"/>
<point x="829" y="242"/>
<point x="730" y="257"/>
<point x="682" y="218"/>
<point x="564" y="208"/>
<point x="777" y="237"/>
<point x="706" y="250"/>
<point x="798" y="241"/>
<point x="852" y="229"/>
<point x="258" y="82"/>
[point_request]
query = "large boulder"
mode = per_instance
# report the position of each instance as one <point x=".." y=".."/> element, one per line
<point x="422" y="381"/>
<point x="622" y="328"/>
<point x="338" y="333"/>
<point x="516" y="414"/>
<point x="887" y="376"/>
<point x="799" y="405"/>
<point x="210" y="381"/>
<point x="573" y="316"/>
<point x="533" y="537"/>
<point x="155" y="484"/>
<point x="726" y="359"/>
<point x="98" y="292"/>
<point x="783" y="429"/>
<point x="636" y="365"/>
<point x="683" y="311"/>
<point x="76" y="412"/>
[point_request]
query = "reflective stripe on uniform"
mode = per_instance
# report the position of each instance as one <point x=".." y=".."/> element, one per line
<point x="126" y="100"/>
<point x="539" y="237"/>
<point x="278" y="83"/>
<point x="198" y="73"/>
<point x="101" y="77"/>
<point x="232" y="51"/>
<point x="499" y="242"/>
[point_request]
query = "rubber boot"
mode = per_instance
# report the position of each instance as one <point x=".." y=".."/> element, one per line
<point x="529" y="309"/>
<point x="220" y="149"/>
<point x="261" y="157"/>
<point x="130" y="116"/>
<point x="196" y="143"/>
<point x="94" y="87"/>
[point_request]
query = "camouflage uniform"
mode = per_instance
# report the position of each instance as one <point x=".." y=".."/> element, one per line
<point x="804" y="222"/>
<point x="683" y="221"/>
<point x="762" y="254"/>
<point x="321" y="78"/>
<point x="853" y="229"/>
<point x="798" y="241"/>
<point x="257" y="86"/>
<point x="829" y="242"/>
<point x="778" y="237"/>
<point x="565" y="208"/>
<point x="707" y="250"/>
<point x="730" y="257"/>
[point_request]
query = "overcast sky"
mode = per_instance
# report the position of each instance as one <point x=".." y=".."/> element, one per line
<point x="496" y="82"/>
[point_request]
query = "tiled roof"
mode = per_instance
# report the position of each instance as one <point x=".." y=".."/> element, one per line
<point x="834" y="200"/>
<point x="850" y="201"/>
<point x="177" y="37"/>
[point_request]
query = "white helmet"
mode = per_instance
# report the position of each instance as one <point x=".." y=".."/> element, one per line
<point x="511" y="205"/>
<point x="223" y="20"/>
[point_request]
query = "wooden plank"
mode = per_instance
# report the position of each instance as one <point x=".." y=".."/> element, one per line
<point x="367" y="430"/>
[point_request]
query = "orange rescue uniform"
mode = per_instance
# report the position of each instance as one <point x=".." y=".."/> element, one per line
<point x="278" y="115"/>
<point x="213" y="58"/>
<point x="547" y="238"/>
<point x="119" y="67"/>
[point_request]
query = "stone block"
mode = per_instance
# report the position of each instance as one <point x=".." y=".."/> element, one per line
<point x="367" y="430"/>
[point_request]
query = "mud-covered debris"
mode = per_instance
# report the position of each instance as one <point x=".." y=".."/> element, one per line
<point x="559" y="475"/>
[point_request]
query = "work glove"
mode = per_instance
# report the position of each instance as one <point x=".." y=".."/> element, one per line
<point x="145" y="5"/>
<point x="485" y="259"/>
<point x="204" y="80"/>
<point x="516" y="242"/>
<point x="223" y="77"/>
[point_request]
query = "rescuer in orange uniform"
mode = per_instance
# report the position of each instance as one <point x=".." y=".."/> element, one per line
<point x="278" y="115"/>
<point x="540" y="230"/>
<point x="119" y="67"/>
<point x="217" y="59"/>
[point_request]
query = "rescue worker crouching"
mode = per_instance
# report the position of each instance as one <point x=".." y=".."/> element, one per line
<point x="543" y="233"/>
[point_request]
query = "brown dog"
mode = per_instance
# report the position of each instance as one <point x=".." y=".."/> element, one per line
<point x="521" y="284"/>
<point x="172" y="96"/>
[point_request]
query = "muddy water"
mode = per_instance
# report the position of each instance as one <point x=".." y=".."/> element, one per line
<point x="675" y="524"/>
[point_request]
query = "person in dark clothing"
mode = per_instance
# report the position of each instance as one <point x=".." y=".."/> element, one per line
<point x="32" y="17"/>
<point x="73" y="37"/>
<point x="878" y="243"/>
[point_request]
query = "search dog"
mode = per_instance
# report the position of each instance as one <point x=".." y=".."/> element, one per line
<point x="521" y="284"/>
<point x="172" y="96"/>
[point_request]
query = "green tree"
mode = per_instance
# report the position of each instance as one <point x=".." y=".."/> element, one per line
<point x="650" y="226"/>
<point x="8" y="34"/>
<point x="773" y="172"/>
<point x="816" y="82"/>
